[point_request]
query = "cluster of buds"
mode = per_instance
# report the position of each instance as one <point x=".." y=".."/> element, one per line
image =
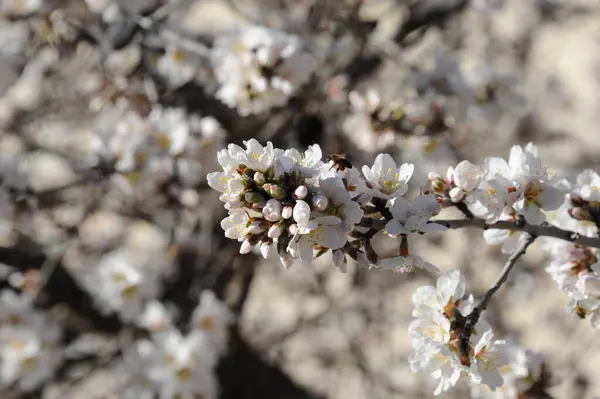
<point x="284" y="202"/>
<point x="296" y="206"/>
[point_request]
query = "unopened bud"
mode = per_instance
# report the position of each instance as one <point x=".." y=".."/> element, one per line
<point x="457" y="195"/>
<point x="259" y="205"/>
<point x="265" y="249"/>
<point x="255" y="227"/>
<point x="272" y="210"/>
<point x="320" y="202"/>
<point x="293" y="229"/>
<point x="450" y="175"/>
<point x="275" y="191"/>
<point x="287" y="212"/>
<point x="253" y="197"/>
<point x="246" y="247"/>
<point x="275" y="231"/>
<point x="301" y="192"/>
<point x="259" y="178"/>
<point x="286" y="260"/>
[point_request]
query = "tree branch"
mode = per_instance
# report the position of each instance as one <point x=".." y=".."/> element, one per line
<point x="541" y="231"/>
<point x="473" y="317"/>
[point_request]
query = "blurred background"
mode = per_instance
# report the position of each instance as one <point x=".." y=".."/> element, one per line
<point x="473" y="77"/>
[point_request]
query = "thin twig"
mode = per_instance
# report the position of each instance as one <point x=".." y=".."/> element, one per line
<point x="542" y="230"/>
<point x="473" y="317"/>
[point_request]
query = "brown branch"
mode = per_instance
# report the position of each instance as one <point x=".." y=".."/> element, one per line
<point x="541" y="231"/>
<point x="473" y="317"/>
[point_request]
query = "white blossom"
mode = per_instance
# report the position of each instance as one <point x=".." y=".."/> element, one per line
<point x="414" y="217"/>
<point x="213" y="318"/>
<point x="385" y="179"/>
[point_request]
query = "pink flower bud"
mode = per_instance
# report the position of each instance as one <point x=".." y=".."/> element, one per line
<point x="272" y="210"/>
<point x="259" y="178"/>
<point x="301" y="192"/>
<point x="246" y="247"/>
<point x="255" y="227"/>
<point x="274" y="191"/>
<point x="293" y="229"/>
<point x="276" y="230"/>
<point x="457" y="194"/>
<point x="287" y="212"/>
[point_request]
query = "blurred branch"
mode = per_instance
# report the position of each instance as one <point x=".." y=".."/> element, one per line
<point x="424" y="13"/>
<point x="244" y="374"/>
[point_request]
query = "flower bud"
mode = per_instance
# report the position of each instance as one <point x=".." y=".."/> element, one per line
<point x="457" y="194"/>
<point x="246" y="247"/>
<point x="293" y="229"/>
<point x="275" y="191"/>
<point x="450" y="175"/>
<point x="265" y="249"/>
<point x="301" y="192"/>
<point x="259" y="205"/>
<point x="255" y="227"/>
<point x="287" y="212"/>
<point x="286" y="260"/>
<point x="253" y="197"/>
<point x="272" y="210"/>
<point x="275" y="231"/>
<point x="320" y="202"/>
<point x="259" y="178"/>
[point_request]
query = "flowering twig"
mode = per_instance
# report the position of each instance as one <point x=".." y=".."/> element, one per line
<point x="473" y="317"/>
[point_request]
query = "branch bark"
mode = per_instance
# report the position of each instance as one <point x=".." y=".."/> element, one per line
<point x="541" y="231"/>
<point x="473" y="317"/>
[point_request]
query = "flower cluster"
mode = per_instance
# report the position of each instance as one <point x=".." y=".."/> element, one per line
<point x="373" y="125"/>
<point x="494" y="368"/>
<point x="525" y="374"/>
<point x="30" y="343"/>
<point x="172" y="364"/>
<point x="440" y="313"/>
<point x="259" y="68"/>
<point x="501" y="190"/>
<point x="294" y="205"/>
<point x="576" y="270"/>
